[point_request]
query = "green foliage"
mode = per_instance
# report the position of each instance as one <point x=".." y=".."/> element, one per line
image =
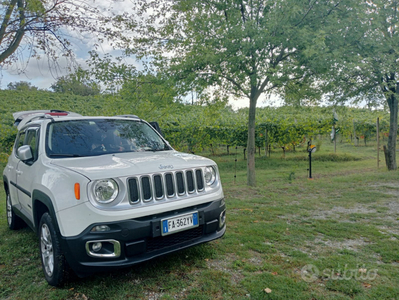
<point x="287" y="127"/>
<point x="112" y="73"/>
<point x="21" y="86"/>
<point x="77" y="83"/>
<point x="194" y="128"/>
<point x="148" y="93"/>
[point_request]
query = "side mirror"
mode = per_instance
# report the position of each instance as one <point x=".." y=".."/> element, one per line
<point x="25" y="153"/>
<point x="156" y="127"/>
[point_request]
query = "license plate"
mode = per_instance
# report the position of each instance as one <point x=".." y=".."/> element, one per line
<point x="179" y="223"/>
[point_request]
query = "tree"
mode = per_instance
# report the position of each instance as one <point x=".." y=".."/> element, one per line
<point x="78" y="83"/>
<point x="45" y="27"/>
<point x="110" y="71"/>
<point x="365" y="60"/>
<point x="240" y="48"/>
<point x="21" y="86"/>
<point x="156" y="89"/>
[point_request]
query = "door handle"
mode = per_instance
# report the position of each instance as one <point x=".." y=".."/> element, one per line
<point x="19" y="172"/>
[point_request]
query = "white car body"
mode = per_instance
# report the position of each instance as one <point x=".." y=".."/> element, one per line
<point x="147" y="189"/>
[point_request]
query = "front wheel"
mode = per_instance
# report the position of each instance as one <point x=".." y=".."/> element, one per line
<point x="53" y="261"/>
<point x="14" y="222"/>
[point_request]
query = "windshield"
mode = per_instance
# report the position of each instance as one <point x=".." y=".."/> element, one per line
<point x="101" y="136"/>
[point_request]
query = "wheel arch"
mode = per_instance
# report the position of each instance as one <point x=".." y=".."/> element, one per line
<point x="5" y="183"/>
<point x="41" y="204"/>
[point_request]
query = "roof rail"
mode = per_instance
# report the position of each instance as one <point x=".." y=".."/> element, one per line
<point x="129" y="116"/>
<point x="23" y="117"/>
<point x="21" y="122"/>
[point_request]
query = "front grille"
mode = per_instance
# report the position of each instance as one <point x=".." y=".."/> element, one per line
<point x="158" y="186"/>
<point x="180" y="183"/>
<point x="134" y="190"/>
<point x="165" y="185"/>
<point x="146" y="187"/>
<point x="200" y="181"/>
<point x="169" y="185"/>
<point x="190" y="181"/>
<point x="162" y="242"/>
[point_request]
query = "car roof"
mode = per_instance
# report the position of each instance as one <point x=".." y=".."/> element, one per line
<point x="24" y="117"/>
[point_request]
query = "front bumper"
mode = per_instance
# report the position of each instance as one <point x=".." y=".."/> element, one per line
<point x="133" y="241"/>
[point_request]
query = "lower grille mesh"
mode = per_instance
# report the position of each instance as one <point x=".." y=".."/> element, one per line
<point x="161" y="242"/>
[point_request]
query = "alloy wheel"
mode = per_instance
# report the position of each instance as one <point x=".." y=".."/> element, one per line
<point x="47" y="249"/>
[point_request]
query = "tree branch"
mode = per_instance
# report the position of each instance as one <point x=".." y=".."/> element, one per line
<point x="242" y="12"/>
<point x="303" y="18"/>
<point x="239" y="87"/>
<point x="7" y="19"/>
<point x="18" y="36"/>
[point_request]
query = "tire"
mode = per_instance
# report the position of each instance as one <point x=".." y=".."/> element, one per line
<point x="53" y="261"/>
<point x="14" y="222"/>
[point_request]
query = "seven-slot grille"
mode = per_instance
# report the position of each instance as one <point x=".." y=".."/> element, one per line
<point x="165" y="185"/>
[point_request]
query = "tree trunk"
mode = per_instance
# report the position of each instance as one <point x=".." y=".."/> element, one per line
<point x="251" y="179"/>
<point x="393" y="131"/>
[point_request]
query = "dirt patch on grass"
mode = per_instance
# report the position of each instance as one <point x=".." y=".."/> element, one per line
<point x="256" y="258"/>
<point x="342" y="173"/>
<point x="337" y="211"/>
<point x="389" y="230"/>
<point x="243" y="193"/>
<point x="322" y="245"/>
<point x="393" y="207"/>
<point x="388" y="188"/>
<point x="222" y="265"/>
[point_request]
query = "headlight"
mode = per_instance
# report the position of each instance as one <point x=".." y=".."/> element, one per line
<point x="105" y="190"/>
<point x="210" y="175"/>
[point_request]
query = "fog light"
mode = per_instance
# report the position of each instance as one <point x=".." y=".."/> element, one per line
<point x="101" y="228"/>
<point x="222" y="219"/>
<point x="103" y="248"/>
<point x="97" y="246"/>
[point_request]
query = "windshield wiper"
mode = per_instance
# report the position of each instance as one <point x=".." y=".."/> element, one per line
<point x="156" y="150"/>
<point x="65" y="155"/>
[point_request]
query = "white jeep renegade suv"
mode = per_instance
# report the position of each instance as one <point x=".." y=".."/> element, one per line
<point x="107" y="192"/>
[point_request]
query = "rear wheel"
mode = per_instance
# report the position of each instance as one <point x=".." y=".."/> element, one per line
<point x="53" y="261"/>
<point x="14" y="222"/>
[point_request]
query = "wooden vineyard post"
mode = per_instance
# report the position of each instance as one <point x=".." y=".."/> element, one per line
<point x="335" y="120"/>
<point x="266" y="142"/>
<point x="335" y="139"/>
<point x="378" y="143"/>
<point x="354" y="133"/>
<point x="386" y="155"/>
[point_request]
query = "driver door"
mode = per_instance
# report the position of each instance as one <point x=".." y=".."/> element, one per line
<point x="26" y="171"/>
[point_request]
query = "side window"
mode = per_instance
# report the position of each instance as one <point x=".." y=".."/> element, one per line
<point x="20" y="141"/>
<point x="32" y="137"/>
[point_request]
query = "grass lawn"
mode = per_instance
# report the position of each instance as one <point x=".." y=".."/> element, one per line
<point x="333" y="237"/>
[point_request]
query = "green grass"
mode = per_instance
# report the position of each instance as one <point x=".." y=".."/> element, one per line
<point x="344" y="220"/>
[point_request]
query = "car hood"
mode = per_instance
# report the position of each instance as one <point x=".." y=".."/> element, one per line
<point x="132" y="163"/>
